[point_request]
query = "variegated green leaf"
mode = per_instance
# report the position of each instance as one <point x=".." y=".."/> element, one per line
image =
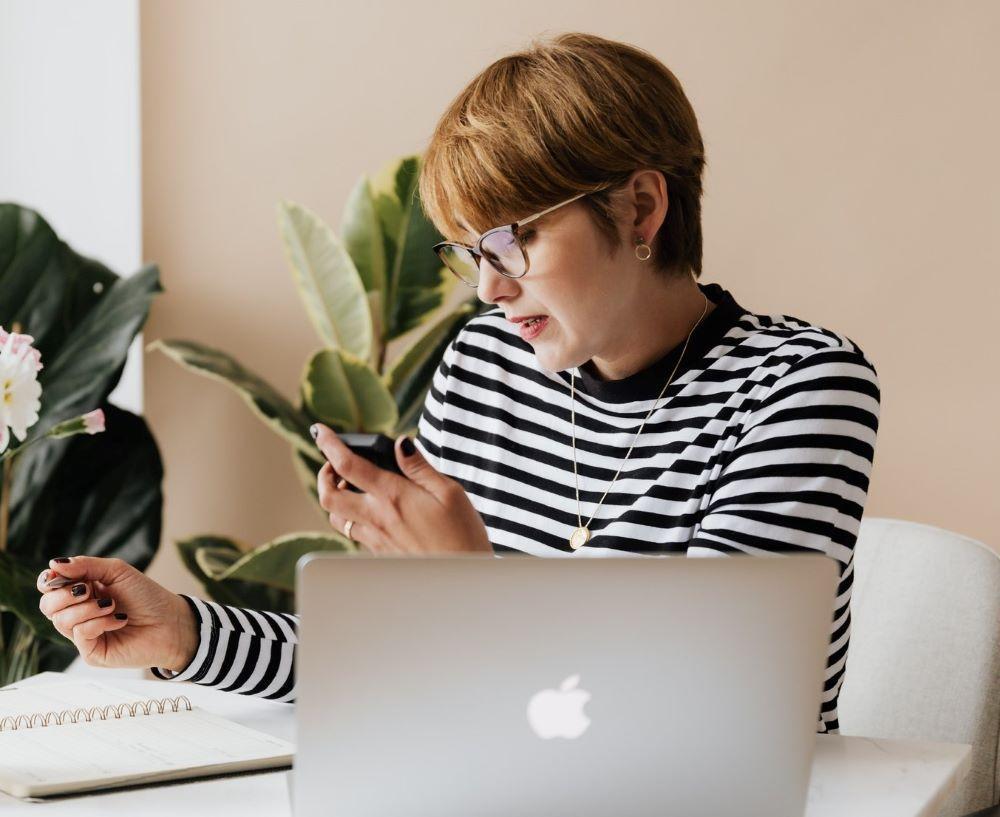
<point x="415" y="279"/>
<point x="378" y="347"/>
<point x="362" y="235"/>
<point x="307" y="470"/>
<point x="208" y="556"/>
<point x="341" y="390"/>
<point x="410" y="376"/>
<point x="264" y="400"/>
<point x="213" y="560"/>
<point x="328" y="281"/>
<point x="273" y="564"/>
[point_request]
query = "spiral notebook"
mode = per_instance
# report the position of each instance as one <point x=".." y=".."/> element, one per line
<point x="83" y="735"/>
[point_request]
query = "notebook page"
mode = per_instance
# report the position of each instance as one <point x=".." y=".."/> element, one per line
<point x="24" y="700"/>
<point x="64" y="757"/>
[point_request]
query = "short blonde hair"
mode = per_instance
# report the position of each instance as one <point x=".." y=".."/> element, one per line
<point x="568" y="115"/>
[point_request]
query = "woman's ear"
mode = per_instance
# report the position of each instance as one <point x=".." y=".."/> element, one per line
<point x="648" y="201"/>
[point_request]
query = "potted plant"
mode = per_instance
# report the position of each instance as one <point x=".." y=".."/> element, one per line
<point x="78" y="475"/>
<point x="375" y="282"/>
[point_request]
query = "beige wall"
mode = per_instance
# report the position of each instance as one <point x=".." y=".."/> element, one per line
<point x="852" y="181"/>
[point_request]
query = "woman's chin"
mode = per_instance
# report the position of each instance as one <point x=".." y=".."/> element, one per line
<point x="553" y="360"/>
<point x="552" y="355"/>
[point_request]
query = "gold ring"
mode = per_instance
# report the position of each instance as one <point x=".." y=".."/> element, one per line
<point x="347" y="529"/>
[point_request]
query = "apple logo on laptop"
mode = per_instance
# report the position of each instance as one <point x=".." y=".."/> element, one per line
<point x="558" y="713"/>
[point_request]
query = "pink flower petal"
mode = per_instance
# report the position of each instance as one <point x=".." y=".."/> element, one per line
<point x="18" y="343"/>
<point x="93" y="421"/>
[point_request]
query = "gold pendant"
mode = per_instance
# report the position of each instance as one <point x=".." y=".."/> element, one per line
<point x="579" y="538"/>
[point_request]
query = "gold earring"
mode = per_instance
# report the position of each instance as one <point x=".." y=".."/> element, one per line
<point x="642" y="250"/>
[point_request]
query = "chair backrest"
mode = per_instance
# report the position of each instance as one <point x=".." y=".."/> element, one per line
<point x="924" y="657"/>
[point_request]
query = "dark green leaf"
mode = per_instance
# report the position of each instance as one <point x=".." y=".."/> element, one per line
<point x="80" y="376"/>
<point x="104" y="498"/>
<point x="19" y="596"/>
<point x="85" y="494"/>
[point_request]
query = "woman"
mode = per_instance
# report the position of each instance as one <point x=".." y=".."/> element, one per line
<point x="608" y="405"/>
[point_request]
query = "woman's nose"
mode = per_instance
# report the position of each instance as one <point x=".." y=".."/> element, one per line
<point x="493" y="285"/>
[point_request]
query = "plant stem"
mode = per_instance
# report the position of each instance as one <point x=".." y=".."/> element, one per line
<point x="5" y="487"/>
<point x="21" y="660"/>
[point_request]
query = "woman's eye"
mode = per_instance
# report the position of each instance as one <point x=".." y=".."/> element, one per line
<point x="526" y="235"/>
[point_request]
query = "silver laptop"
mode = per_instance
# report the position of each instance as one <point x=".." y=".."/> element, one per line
<point x="469" y="686"/>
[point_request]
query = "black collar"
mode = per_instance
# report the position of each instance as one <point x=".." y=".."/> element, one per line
<point x="647" y="383"/>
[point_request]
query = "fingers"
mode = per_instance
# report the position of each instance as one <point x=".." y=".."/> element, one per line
<point x="52" y="601"/>
<point x="324" y="481"/>
<point x="89" y="568"/>
<point x="364" y="535"/>
<point x="65" y="620"/>
<point x="346" y="504"/>
<point x="94" y="628"/>
<point x="342" y="505"/>
<point x="355" y="469"/>
<point x="327" y="477"/>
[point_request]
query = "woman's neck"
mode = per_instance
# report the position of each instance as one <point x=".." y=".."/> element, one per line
<point x="660" y="322"/>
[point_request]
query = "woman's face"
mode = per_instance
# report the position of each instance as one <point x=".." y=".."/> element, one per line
<point x="585" y="293"/>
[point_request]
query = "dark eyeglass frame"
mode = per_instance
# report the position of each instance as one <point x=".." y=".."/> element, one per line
<point x="477" y="248"/>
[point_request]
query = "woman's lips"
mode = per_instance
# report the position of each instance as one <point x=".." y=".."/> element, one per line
<point x="533" y="330"/>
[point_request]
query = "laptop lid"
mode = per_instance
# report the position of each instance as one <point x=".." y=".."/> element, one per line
<point x="457" y="686"/>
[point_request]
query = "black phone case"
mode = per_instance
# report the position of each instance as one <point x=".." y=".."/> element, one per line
<point x="376" y="448"/>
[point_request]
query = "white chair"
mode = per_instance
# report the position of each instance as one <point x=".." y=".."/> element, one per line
<point x="924" y="658"/>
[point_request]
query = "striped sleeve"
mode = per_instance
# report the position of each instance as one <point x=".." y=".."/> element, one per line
<point x="797" y="480"/>
<point x="249" y="652"/>
<point x="253" y="652"/>
<point x="430" y="427"/>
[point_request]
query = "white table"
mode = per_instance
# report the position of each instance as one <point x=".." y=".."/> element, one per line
<point x="851" y="776"/>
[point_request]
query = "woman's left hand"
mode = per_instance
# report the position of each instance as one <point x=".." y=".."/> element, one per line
<point x="421" y="512"/>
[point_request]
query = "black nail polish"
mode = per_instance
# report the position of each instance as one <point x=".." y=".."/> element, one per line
<point x="63" y="560"/>
<point x="78" y="589"/>
<point x="121" y="616"/>
<point x="104" y="602"/>
<point x="408" y="448"/>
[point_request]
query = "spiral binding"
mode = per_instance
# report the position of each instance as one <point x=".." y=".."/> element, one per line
<point x="11" y="723"/>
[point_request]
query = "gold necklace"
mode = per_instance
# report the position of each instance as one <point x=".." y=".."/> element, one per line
<point x="581" y="535"/>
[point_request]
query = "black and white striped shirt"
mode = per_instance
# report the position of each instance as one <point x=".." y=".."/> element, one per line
<point x="763" y="443"/>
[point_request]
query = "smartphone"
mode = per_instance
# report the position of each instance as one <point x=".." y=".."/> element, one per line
<point x="376" y="448"/>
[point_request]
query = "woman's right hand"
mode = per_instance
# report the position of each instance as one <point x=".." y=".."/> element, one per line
<point x="117" y="616"/>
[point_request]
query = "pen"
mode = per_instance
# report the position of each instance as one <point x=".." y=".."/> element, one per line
<point x="57" y="582"/>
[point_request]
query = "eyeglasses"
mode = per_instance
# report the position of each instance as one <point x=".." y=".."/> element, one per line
<point x="502" y="247"/>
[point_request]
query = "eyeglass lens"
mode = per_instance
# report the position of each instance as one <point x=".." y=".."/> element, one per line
<point x="501" y="249"/>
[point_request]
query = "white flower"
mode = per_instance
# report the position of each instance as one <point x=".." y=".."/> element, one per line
<point x="19" y="386"/>
<point x="22" y="340"/>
